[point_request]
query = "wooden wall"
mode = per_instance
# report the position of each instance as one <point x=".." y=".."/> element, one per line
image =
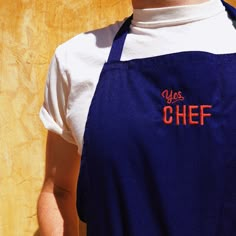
<point x="30" y="30"/>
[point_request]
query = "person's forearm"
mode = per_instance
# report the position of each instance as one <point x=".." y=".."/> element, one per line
<point x="57" y="215"/>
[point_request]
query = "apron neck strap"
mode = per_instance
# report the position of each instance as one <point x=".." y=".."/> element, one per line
<point x="119" y="40"/>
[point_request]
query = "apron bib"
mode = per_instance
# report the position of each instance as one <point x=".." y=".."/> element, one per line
<point x="159" y="154"/>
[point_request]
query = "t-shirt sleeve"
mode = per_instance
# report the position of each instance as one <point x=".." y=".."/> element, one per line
<point x="53" y="110"/>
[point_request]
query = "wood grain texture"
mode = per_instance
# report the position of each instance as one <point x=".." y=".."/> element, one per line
<point x="29" y="34"/>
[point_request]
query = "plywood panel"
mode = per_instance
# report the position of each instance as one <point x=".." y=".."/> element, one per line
<point x="29" y="33"/>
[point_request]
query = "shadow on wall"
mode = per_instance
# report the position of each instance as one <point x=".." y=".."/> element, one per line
<point x="36" y="233"/>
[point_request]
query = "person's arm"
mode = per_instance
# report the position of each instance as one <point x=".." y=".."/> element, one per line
<point x="57" y="201"/>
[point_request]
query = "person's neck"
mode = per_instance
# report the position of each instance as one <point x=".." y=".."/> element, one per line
<point x="142" y="4"/>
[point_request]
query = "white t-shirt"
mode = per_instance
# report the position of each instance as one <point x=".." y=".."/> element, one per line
<point x="77" y="63"/>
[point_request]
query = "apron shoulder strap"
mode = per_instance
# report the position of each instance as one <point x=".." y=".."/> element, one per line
<point x="119" y="40"/>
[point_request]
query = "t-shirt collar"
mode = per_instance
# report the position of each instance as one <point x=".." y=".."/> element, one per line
<point x="168" y="16"/>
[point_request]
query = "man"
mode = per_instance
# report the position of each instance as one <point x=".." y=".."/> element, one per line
<point x="154" y="145"/>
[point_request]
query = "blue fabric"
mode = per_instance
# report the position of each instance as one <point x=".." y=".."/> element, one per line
<point x="116" y="49"/>
<point x="159" y="154"/>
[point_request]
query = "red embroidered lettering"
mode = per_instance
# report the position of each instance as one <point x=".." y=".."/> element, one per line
<point x="203" y="114"/>
<point x="175" y="96"/>
<point x="166" y="120"/>
<point x="179" y="114"/>
<point x="171" y="96"/>
<point x="192" y="114"/>
<point x="180" y="97"/>
<point x="184" y="114"/>
<point x="168" y="96"/>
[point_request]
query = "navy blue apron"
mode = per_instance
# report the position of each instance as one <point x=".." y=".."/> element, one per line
<point x="159" y="154"/>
